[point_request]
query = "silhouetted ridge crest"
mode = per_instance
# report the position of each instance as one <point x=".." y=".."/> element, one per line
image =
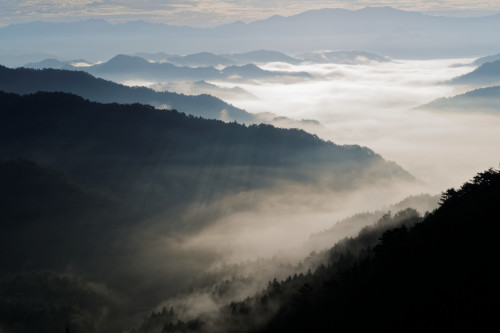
<point x="25" y="81"/>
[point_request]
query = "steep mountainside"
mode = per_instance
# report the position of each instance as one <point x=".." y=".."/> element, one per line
<point x="100" y="144"/>
<point x="113" y="190"/>
<point x="25" y="81"/>
<point x="405" y="274"/>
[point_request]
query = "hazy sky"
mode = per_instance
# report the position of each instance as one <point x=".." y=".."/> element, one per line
<point x="212" y="12"/>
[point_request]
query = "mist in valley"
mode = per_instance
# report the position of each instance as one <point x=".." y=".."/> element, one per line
<point x="374" y="105"/>
<point x="125" y="217"/>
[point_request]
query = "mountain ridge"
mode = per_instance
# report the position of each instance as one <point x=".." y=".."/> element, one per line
<point x="395" y="33"/>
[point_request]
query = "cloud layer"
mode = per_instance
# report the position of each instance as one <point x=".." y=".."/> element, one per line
<point x="373" y="105"/>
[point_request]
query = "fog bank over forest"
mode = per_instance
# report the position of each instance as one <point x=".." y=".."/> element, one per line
<point x="373" y="105"/>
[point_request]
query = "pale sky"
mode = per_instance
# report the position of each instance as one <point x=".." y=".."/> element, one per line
<point x="205" y="13"/>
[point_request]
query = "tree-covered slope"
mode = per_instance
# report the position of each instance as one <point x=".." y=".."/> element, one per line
<point x="136" y="181"/>
<point x="406" y="273"/>
<point x="26" y="81"/>
<point x="439" y="275"/>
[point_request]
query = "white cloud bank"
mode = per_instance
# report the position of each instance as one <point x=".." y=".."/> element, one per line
<point x="373" y="105"/>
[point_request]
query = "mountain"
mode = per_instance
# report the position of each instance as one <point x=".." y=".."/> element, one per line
<point x="158" y="56"/>
<point x="204" y="87"/>
<point x="478" y="100"/>
<point x="105" y="193"/>
<point x="486" y="75"/>
<point x="123" y="68"/>
<point x="48" y="63"/>
<point x="351" y="226"/>
<point x="261" y="56"/>
<point x="406" y="273"/>
<point x="344" y="57"/>
<point x="202" y="59"/>
<point x="483" y="60"/>
<point x="91" y="141"/>
<point x="383" y="30"/>
<point x="25" y="81"/>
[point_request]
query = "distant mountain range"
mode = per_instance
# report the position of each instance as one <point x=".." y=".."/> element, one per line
<point x="485" y="75"/>
<point x="343" y="57"/>
<point x="478" y="100"/>
<point x="261" y="56"/>
<point x="25" y="81"/>
<point x="383" y="30"/>
<point x="123" y="67"/>
<point x="207" y="59"/>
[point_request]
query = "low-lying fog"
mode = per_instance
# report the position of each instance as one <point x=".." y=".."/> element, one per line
<point x="372" y="105"/>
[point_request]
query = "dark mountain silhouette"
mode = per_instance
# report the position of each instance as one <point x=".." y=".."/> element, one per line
<point x="486" y="75"/>
<point x="383" y="30"/>
<point x="25" y="81"/>
<point x="437" y="275"/>
<point x="406" y="273"/>
<point x="76" y="304"/>
<point x="91" y="141"/>
<point x="344" y="57"/>
<point x="478" y="100"/>
<point x="351" y="226"/>
<point x="483" y="60"/>
<point x="124" y="166"/>
<point x="202" y="59"/>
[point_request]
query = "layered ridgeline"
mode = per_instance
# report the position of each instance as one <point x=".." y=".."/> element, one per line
<point x="405" y="274"/>
<point x="114" y="190"/>
<point x="207" y="59"/>
<point x="25" y="81"/>
<point x="478" y="100"/>
<point x="124" y="67"/>
<point x="100" y="144"/>
<point x="384" y="30"/>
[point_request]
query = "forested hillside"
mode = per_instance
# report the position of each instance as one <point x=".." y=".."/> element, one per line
<point x="26" y="81"/>
<point x="404" y="274"/>
<point x="108" y="193"/>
